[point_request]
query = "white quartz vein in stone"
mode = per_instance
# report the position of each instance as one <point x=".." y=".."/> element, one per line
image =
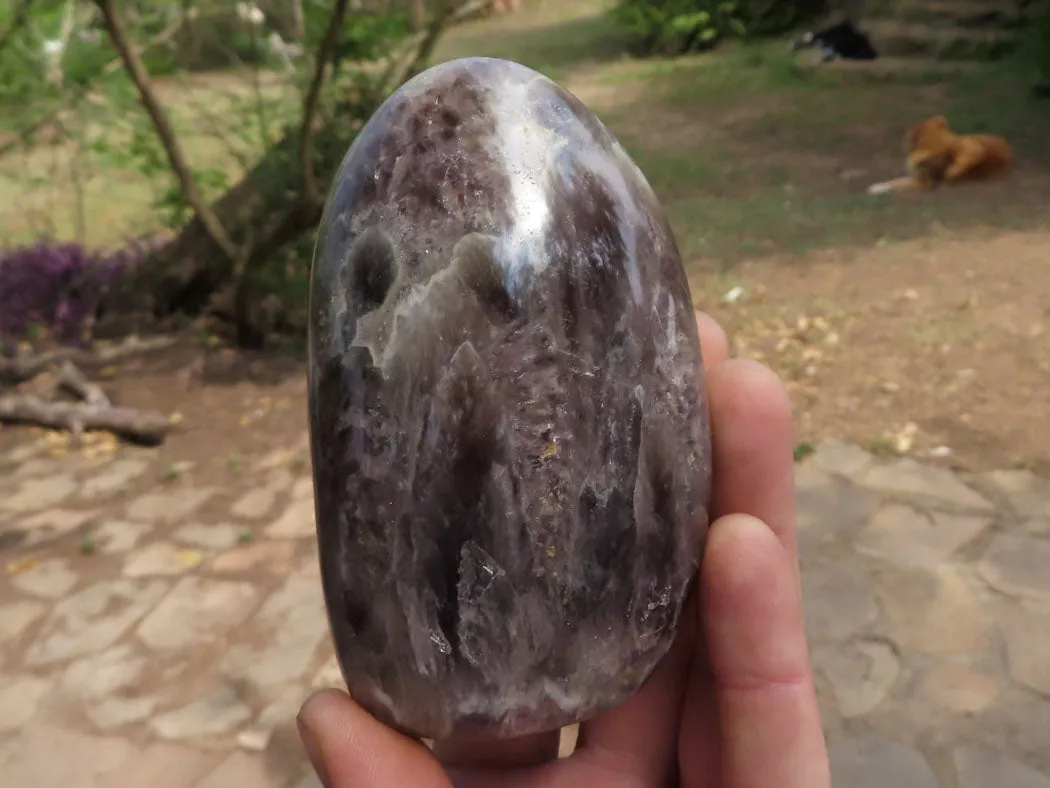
<point x="528" y="151"/>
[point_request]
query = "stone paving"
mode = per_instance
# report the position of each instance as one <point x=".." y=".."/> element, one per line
<point x="161" y="630"/>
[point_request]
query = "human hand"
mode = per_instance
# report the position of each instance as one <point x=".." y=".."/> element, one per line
<point x="731" y="705"/>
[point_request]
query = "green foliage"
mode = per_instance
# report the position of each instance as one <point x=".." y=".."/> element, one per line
<point x="80" y="94"/>
<point x="24" y="61"/>
<point x="803" y="450"/>
<point x="672" y="27"/>
<point x="675" y="26"/>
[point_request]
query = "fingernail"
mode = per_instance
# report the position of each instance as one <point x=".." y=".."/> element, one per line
<point x="312" y="744"/>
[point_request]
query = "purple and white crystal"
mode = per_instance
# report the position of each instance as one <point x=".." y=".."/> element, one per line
<point x="509" y="434"/>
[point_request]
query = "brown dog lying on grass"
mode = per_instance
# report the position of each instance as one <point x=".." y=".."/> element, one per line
<point x="937" y="155"/>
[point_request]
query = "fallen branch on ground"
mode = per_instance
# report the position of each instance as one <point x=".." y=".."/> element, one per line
<point x="142" y="426"/>
<point x="73" y="380"/>
<point x="22" y="368"/>
<point x="94" y="411"/>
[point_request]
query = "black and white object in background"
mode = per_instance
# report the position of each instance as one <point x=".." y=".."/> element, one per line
<point x="842" y="41"/>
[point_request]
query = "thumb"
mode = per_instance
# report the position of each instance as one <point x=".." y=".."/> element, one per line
<point x="349" y="748"/>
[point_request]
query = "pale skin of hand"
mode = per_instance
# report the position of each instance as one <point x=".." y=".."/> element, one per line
<point x="731" y="706"/>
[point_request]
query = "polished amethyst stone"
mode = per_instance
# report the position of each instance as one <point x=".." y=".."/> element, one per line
<point x="510" y="438"/>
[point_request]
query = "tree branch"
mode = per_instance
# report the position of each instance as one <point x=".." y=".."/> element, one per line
<point x="161" y="124"/>
<point x="324" y="54"/>
<point x="146" y="426"/>
<point x="23" y="368"/>
<point x="73" y="380"/>
<point x="430" y="39"/>
<point x="161" y="38"/>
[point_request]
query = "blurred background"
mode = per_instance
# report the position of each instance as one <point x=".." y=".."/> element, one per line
<point x="163" y="166"/>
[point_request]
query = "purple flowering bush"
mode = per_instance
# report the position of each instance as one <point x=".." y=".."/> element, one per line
<point x="57" y="289"/>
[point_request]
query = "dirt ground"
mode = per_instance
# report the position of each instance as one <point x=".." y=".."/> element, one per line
<point x="938" y="347"/>
<point x="227" y="406"/>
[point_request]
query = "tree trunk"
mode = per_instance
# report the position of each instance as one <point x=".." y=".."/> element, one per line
<point x="261" y="213"/>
